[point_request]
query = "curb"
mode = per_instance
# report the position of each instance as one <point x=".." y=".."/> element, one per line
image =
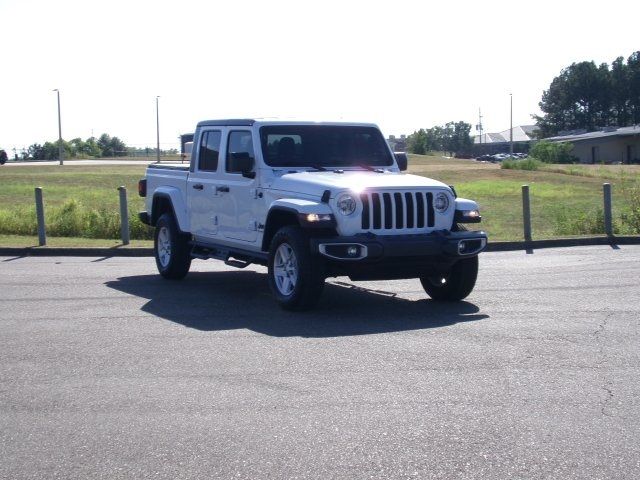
<point x="561" y="242"/>
<point x="148" y="252"/>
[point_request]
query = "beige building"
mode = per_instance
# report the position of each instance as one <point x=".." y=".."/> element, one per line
<point x="610" y="145"/>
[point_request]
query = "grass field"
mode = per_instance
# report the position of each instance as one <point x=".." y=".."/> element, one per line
<point x="82" y="201"/>
<point x="556" y="196"/>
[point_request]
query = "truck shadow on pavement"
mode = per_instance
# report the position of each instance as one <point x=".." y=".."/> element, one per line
<point x="242" y="299"/>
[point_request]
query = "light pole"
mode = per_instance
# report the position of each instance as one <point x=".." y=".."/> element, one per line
<point x="157" y="130"/>
<point x="60" y="146"/>
<point x="479" y="128"/>
<point x="511" y="126"/>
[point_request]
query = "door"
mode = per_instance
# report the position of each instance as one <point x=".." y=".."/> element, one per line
<point x="202" y="186"/>
<point x="238" y="193"/>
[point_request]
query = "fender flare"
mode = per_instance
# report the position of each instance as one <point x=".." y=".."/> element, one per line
<point x="297" y="205"/>
<point x="288" y="211"/>
<point x="178" y="207"/>
<point x="466" y="204"/>
<point x="463" y="209"/>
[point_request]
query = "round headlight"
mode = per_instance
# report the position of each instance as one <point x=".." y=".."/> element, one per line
<point x="346" y="204"/>
<point x="442" y="202"/>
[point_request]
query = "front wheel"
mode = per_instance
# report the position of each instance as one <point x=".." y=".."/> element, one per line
<point x="455" y="285"/>
<point x="296" y="277"/>
<point x="171" y="248"/>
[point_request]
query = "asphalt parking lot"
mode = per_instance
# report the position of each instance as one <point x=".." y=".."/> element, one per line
<point x="108" y="371"/>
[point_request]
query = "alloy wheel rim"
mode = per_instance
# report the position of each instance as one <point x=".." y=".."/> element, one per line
<point x="285" y="269"/>
<point x="164" y="247"/>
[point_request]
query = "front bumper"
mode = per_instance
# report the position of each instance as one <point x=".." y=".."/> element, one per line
<point x="368" y="247"/>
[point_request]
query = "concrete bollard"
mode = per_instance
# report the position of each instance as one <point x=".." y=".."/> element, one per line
<point x="608" y="215"/>
<point x="124" y="215"/>
<point x="526" y="213"/>
<point x="42" y="234"/>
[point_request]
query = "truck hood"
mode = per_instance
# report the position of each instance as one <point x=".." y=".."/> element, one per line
<point x="315" y="183"/>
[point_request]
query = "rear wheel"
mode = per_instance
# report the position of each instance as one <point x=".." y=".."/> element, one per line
<point x="171" y="248"/>
<point x="455" y="285"/>
<point x="296" y="277"/>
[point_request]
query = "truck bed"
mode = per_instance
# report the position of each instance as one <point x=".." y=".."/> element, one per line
<point x="169" y="166"/>
<point x="170" y="179"/>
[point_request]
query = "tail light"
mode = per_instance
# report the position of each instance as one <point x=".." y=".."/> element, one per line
<point x="142" y="187"/>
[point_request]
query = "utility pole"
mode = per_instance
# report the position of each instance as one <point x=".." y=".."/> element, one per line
<point x="60" y="146"/>
<point x="480" y="125"/>
<point x="511" y="126"/>
<point x="157" y="130"/>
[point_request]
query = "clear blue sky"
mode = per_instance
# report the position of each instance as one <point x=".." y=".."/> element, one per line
<point x="401" y="64"/>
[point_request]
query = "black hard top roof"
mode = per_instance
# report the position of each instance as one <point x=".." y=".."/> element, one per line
<point x="232" y="122"/>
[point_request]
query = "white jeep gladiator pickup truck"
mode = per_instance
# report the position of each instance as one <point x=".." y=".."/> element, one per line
<point x="309" y="201"/>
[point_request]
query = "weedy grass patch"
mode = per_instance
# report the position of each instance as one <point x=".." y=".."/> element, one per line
<point x="525" y="164"/>
<point x="562" y="204"/>
<point x="83" y="201"/>
<point x="79" y="201"/>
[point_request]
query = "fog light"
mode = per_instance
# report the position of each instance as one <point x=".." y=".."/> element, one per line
<point x="462" y="246"/>
<point x="352" y="251"/>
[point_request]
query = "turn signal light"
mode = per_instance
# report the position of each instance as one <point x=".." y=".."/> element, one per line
<point x="318" y="217"/>
<point x="467" y="216"/>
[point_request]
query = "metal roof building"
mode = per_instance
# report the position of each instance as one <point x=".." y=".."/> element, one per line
<point x="499" y="142"/>
<point x="609" y="145"/>
<point x="521" y="133"/>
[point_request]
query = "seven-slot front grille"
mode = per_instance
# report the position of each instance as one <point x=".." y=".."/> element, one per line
<point x="397" y="210"/>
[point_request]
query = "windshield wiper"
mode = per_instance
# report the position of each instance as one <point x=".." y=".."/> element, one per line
<point x="317" y="168"/>
<point x="370" y="168"/>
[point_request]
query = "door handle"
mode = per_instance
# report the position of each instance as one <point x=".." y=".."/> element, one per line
<point x="223" y="188"/>
<point x="198" y="186"/>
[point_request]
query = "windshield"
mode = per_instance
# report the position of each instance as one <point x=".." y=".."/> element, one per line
<point x="318" y="146"/>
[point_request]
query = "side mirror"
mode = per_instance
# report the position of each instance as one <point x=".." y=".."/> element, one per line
<point x="402" y="160"/>
<point x="241" y="162"/>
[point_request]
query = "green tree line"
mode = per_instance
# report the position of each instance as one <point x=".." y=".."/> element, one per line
<point x="589" y="96"/>
<point x="452" y="137"/>
<point x="104" y="146"/>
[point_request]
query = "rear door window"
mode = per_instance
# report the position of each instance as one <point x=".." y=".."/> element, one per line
<point x="209" y="151"/>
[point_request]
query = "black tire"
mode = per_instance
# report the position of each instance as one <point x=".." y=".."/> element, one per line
<point x="303" y="291"/>
<point x="171" y="248"/>
<point x="454" y="286"/>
